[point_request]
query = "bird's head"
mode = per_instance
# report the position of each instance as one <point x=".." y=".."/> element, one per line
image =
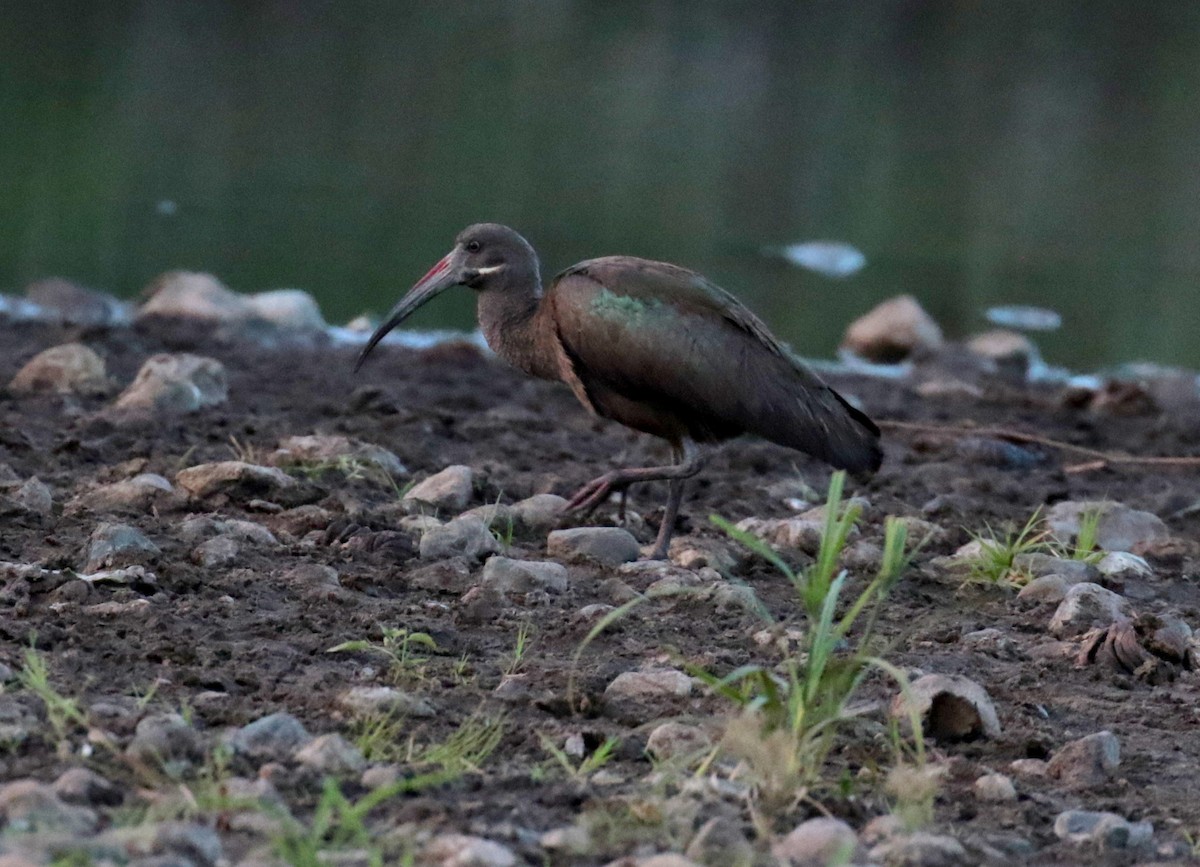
<point x="486" y="257"/>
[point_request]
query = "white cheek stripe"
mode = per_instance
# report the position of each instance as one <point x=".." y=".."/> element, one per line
<point x="490" y="270"/>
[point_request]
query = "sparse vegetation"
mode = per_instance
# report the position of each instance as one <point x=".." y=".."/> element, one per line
<point x="588" y="764"/>
<point x="62" y="712"/>
<point x="406" y="664"/>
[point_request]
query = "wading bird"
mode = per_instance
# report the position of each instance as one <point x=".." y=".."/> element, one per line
<point x="654" y="346"/>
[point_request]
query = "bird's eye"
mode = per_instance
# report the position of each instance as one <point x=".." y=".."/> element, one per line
<point x="472" y="246"/>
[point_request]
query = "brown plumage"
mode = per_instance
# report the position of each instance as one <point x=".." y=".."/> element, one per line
<point x="653" y="346"/>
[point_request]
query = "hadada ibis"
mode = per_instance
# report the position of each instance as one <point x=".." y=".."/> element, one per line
<point x="653" y="346"/>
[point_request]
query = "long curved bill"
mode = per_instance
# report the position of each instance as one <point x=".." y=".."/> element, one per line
<point x="442" y="276"/>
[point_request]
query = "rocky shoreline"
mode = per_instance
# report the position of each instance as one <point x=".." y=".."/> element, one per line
<point x="200" y="503"/>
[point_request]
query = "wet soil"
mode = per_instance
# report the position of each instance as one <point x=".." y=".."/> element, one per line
<point x="237" y="642"/>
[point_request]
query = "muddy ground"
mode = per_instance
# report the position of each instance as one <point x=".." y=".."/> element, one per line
<point x="230" y="644"/>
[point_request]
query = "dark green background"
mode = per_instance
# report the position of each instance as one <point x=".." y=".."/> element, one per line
<point x="978" y="153"/>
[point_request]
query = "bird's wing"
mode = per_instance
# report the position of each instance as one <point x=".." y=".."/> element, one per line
<point x="665" y="337"/>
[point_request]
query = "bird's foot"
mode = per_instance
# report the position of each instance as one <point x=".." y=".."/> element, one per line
<point x="595" y="492"/>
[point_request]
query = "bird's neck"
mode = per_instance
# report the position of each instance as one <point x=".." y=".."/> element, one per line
<point x="514" y="324"/>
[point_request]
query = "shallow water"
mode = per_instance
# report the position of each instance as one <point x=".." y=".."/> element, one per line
<point x="1031" y="154"/>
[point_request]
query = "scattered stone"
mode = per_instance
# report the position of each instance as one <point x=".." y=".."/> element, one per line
<point x="30" y="807"/>
<point x="798" y="533"/>
<point x="995" y="787"/>
<point x="721" y="840"/>
<point x="1119" y="565"/>
<point x="331" y="754"/>
<point x="75" y="304"/>
<point x="71" y="368"/>
<point x="571" y="840"/>
<point x="1120" y="527"/>
<point x="216" y="553"/>
<point x="920" y="849"/>
<point x="446" y="576"/>
<point x="608" y="546"/>
<point x="516" y="577"/>
<point x="675" y="740"/>
<point x="951" y="707"/>
<point x="137" y="495"/>
<point x="893" y="331"/>
<point x="233" y="478"/>
<point x="1086" y="606"/>
<point x="247" y="531"/>
<point x="365" y="700"/>
<point x="165" y="737"/>
<point x="667" y="859"/>
<point x="33" y="497"/>
<point x="1087" y="762"/>
<point x="378" y="776"/>
<point x="289" y="309"/>
<point x="1031" y="769"/>
<point x="882" y="828"/>
<point x="198" y="844"/>
<point x="819" y="841"/>
<point x="462" y="850"/>
<point x="1038" y="565"/>
<point x="1046" y="590"/>
<point x="317" y="449"/>
<point x="192" y="295"/>
<point x="448" y="491"/>
<point x="649" y="684"/>
<point x="539" y="513"/>
<point x="273" y="738"/>
<point x="465" y="537"/>
<point x="1107" y="830"/>
<point x="176" y="383"/>
<point x="87" y="788"/>
<point x="992" y="641"/>
<point x="116" y="545"/>
<point x="1011" y="351"/>
<point x="16" y="720"/>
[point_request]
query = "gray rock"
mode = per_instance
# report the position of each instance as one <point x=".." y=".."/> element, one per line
<point x="462" y="850"/>
<point x="951" y="707"/>
<point x="539" y="513"/>
<point x="465" y="537"/>
<point x="199" y="844"/>
<point x="289" y="309"/>
<point x="1011" y="351"/>
<point x="507" y="576"/>
<point x="16" y="721"/>
<point x="992" y="641"/>
<point x="445" y="576"/>
<point x="721" y="840"/>
<point x="331" y="754"/>
<point x="673" y="740"/>
<point x="247" y="531"/>
<point x="77" y="305"/>
<point x="648" y="684"/>
<point x="176" y="383"/>
<point x="1122" y="564"/>
<point x="385" y="700"/>
<point x="68" y="369"/>
<point x="1106" y="830"/>
<point x="920" y="849"/>
<point x="116" y="545"/>
<point x="1087" y="762"/>
<point x="608" y="546"/>
<point x="165" y="737"/>
<point x="1030" y="769"/>
<point x="326" y="448"/>
<point x="87" y="788"/>
<point x="1120" y="528"/>
<point x="666" y="859"/>
<point x="995" y="787"/>
<point x="1038" y="564"/>
<point x="797" y="533"/>
<point x="447" y="491"/>
<point x="136" y="495"/>
<point x="34" y="497"/>
<point x="28" y="806"/>
<point x="892" y="331"/>
<point x="820" y="841"/>
<point x="216" y="553"/>
<point x="233" y="478"/>
<point x="1045" y="590"/>
<point x="192" y="295"/>
<point x="1085" y="607"/>
<point x="273" y="738"/>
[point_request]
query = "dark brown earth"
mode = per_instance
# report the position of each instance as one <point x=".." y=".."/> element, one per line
<point x="238" y="642"/>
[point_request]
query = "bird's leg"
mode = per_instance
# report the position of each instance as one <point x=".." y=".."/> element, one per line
<point x="621" y="505"/>
<point x="675" y="496"/>
<point x="690" y="460"/>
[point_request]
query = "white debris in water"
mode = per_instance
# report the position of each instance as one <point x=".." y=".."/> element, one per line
<point x="24" y="310"/>
<point x="1024" y="317"/>
<point x="344" y="336"/>
<point x="166" y="208"/>
<point x="831" y="258"/>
